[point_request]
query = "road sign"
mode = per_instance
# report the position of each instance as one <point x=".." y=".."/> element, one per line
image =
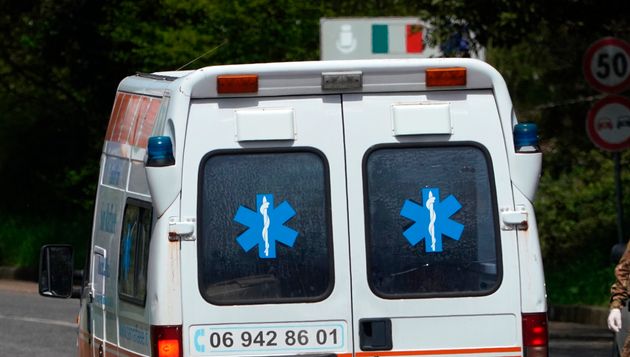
<point x="606" y="65"/>
<point x="378" y="37"/>
<point x="608" y="123"/>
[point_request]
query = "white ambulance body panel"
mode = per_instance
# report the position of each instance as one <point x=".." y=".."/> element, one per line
<point x="217" y="121"/>
<point x="367" y="120"/>
<point x="345" y="208"/>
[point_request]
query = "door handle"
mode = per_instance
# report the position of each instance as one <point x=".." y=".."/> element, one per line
<point x="90" y="296"/>
<point x="375" y="334"/>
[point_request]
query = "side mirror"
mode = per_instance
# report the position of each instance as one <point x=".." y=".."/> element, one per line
<point x="56" y="270"/>
<point x="616" y="252"/>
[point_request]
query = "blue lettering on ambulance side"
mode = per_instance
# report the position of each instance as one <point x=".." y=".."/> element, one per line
<point x="108" y="218"/>
<point x="103" y="268"/>
<point x="104" y="300"/>
<point x="113" y="172"/>
<point x="432" y="220"/>
<point x="134" y="334"/>
<point x="100" y="299"/>
<point x="266" y="226"/>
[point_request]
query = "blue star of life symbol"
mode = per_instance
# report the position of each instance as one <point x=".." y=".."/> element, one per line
<point x="266" y="226"/>
<point x="432" y="220"/>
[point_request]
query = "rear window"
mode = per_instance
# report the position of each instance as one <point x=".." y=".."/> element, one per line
<point x="431" y="224"/>
<point x="264" y="228"/>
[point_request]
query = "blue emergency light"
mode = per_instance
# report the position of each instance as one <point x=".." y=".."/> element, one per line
<point x="526" y="137"/>
<point x="160" y="152"/>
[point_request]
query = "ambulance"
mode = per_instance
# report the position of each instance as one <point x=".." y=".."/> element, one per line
<point x="370" y="208"/>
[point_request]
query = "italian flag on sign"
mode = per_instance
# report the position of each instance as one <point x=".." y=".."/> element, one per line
<point x="397" y="38"/>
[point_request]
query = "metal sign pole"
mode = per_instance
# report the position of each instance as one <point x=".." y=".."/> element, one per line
<point x="618" y="191"/>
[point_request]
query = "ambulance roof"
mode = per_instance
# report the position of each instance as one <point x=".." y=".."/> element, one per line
<point x="304" y="78"/>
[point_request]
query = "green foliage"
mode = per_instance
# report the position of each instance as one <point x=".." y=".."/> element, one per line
<point x="586" y="281"/>
<point x="575" y="205"/>
<point x="577" y="208"/>
<point x="22" y="236"/>
<point x="53" y="102"/>
<point x="576" y="211"/>
<point x="61" y="60"/>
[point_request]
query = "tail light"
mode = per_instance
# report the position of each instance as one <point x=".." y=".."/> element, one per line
<point x="166" y="341"/>
<point x="535" y="335"/>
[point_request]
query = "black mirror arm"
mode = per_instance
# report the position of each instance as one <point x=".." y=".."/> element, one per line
<point x="77" y="285"/>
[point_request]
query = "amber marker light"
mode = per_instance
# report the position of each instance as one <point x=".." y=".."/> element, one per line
<point x="237" y="83"/>
<point x="446" y="77"/>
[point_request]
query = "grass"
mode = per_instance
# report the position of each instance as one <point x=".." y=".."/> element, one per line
<point x="22" y="236"/>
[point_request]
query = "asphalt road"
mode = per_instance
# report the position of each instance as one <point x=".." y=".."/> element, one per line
<point x="579" y="340"/>
<point x="34" y="326"/>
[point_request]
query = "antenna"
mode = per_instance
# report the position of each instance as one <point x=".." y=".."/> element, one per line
<point x="203" y="55"/>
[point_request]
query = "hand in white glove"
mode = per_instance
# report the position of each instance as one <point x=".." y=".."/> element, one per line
<point x="614" y="320"/>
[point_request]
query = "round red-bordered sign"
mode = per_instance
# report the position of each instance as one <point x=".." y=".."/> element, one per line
<point x="606" y="65"/>
<point x="608" y="123"/>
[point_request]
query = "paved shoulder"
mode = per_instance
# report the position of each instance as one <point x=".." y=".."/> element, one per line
<point x="18" y="286"/>
<point x="569" y="339"/>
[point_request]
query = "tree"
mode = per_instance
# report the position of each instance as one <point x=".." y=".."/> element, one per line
<point x="60" y="63"/>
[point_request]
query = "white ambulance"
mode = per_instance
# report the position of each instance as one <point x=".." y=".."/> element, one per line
<point x="338" y="209"/>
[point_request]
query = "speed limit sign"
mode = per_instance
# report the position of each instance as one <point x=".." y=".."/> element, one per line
<point x="607" y="65"/>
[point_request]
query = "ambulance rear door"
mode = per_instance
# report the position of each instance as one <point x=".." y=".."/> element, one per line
<point x="433" y="272"/>
<point x="268" y="272"/>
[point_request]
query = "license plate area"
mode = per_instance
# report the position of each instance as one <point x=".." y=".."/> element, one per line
<point x="252" y="339"/>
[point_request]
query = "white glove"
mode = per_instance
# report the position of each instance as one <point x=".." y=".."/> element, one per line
<point x="614" y="320"/>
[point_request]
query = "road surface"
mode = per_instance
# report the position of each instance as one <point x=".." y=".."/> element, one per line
<point x="34" y="326"/>
<point x="578" y="340"/>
